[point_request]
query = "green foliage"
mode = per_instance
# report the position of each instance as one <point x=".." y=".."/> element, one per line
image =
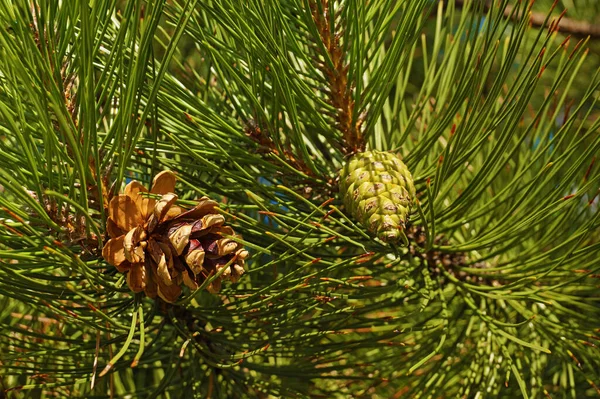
<point x="257" y="104"/>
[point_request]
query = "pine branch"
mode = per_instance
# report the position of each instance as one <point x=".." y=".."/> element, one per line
<point x="493" y="120"/>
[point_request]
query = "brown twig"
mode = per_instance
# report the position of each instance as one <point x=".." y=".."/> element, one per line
<point x="340" y="88"/>
<point x="565" y="25"/>
<point x="267" y="145"/>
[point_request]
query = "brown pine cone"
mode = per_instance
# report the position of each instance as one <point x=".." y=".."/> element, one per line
<point x="162" y="246"/>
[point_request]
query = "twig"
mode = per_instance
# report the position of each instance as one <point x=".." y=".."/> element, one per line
<point x="261" y="136"/>
<point x="340" y="89"/>
<point x="565" y="25"/>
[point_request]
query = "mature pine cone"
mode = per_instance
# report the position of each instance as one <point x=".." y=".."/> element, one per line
<point x="378" y="190"/>
<point x="161" y="246"/>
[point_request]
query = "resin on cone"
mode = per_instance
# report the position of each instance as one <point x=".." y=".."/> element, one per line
<point x="378" y="191"/>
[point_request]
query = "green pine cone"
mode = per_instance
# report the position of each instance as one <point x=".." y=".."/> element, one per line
<point x="378" y="191"/>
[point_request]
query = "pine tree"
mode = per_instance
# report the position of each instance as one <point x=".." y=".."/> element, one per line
<point x="208" y="140"/>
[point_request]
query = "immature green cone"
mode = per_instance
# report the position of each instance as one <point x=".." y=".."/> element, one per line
<point x="378" y="190"/>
